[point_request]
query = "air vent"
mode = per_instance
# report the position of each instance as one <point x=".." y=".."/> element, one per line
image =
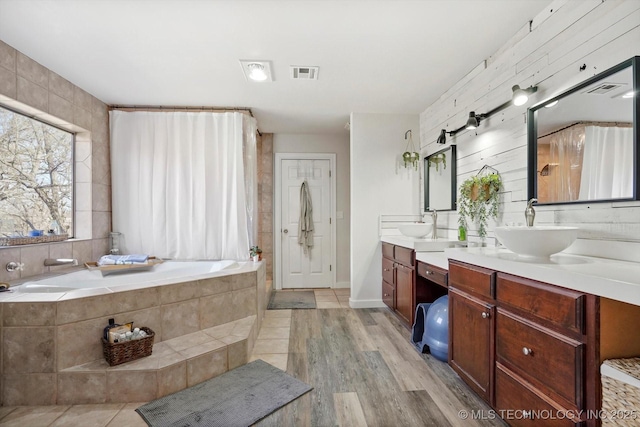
<point x="304" y="73"/>
<point x="603" y="88"/>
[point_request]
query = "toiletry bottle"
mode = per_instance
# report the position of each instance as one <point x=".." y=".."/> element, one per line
<point x="112" y="324"/>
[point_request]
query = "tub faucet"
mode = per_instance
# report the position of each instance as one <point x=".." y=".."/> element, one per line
<point x="530" y="213"/>
<point x="48" y="262"/>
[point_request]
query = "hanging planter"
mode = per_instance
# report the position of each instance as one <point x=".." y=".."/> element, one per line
<point x="436" y="159"/>
<point x="479" y="201"/>
<point x="410" y="157"/>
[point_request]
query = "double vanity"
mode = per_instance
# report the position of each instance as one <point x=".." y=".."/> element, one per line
<point x="525" y="334"/>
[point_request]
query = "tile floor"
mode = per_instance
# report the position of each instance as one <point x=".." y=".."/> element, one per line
<point x="272" y="346"/>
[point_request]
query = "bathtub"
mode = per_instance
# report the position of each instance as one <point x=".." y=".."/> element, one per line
<point x="167" y="272"/>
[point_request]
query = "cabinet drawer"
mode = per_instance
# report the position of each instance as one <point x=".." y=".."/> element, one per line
<point x="404" y="256"/>
<point x="387" y="270"/>
<point x="470" y="278"/>
<point x="562" y="307"/>
<point x="541" y="356"/>
<point x="388" y="294"/>
<point x="523" y="406"/>
<point x="387" y="250"/>
<point x="433" y="273"/>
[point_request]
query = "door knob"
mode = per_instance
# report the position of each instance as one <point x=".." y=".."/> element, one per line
<point x="285" y="231"/>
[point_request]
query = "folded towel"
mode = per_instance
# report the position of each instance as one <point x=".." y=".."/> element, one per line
<point x="123" y="259"/>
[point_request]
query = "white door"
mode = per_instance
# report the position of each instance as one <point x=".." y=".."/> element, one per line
<point x="312" y="269"/>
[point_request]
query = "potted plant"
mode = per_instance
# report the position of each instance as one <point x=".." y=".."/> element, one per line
<point x="479" y="197"/>
<point x="256" y="253"/>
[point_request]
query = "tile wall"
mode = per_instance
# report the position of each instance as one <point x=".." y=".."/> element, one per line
<point x="265" y="200"/>
<point x="29" y="87"/>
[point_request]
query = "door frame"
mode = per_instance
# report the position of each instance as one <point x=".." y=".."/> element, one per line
<point x="277" y="208"/>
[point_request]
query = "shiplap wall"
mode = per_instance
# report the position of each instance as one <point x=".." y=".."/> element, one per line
<point x="547" y="52"/>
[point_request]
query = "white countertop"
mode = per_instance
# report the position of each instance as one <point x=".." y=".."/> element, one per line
<point x="614" y="279"/>
<point x="420" y="245"/>
<point x="617" y="280"/>
<point x="439" y="259"/>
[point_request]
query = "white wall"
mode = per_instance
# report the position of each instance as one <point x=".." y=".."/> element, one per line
<point x="379" y="185"/>
<point x="563" y="37"/>
<point x="338" y="144"/>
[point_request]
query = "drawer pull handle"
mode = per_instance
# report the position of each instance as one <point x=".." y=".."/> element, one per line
<point x="485" y="315"/>
<point x="427" y="272"/>
<point x="385" y="269"/>
<point x="527" y="351"/>
<point x="386" y="295"/>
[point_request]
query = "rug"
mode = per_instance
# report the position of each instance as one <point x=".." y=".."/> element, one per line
<point x="281" y="300"/>
<point x="237" y="398"/>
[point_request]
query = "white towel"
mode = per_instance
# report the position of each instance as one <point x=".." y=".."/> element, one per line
<point x="123" y="259"/>
<point x="305" y="223"/>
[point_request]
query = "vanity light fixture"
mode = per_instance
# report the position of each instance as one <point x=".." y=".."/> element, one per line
<point x="521" y="96"/>
<point x="256" y="71"/>
<point x="473" y="121"/>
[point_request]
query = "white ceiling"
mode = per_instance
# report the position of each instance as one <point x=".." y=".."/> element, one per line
<point x="374" y="56"/>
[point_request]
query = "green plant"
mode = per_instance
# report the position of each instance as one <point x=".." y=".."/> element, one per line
<point x="255" y="250"/>
<point x="479" y="197"/>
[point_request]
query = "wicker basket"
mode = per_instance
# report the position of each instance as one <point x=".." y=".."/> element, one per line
<point x="618" y="397"/>
<point x="121" y="352"/>
<point x="15" y="241"/>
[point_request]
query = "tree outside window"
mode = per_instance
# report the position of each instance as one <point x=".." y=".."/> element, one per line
<point x="36" y="176"/>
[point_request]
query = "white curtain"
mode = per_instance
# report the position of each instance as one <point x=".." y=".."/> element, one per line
<point x="607" y="168"/>
<point x="180" y="186"/>
<point x="565" y="154"/>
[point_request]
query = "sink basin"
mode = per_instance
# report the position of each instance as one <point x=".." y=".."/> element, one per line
<point x="538" y="241"/>
<point x="416" y="229"/>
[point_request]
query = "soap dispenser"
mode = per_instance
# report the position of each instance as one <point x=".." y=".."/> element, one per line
<point x="530" y="213"/>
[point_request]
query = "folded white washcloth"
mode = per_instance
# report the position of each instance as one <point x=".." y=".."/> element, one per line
<point x="123" y="259"/>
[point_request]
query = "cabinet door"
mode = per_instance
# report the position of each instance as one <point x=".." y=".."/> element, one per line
<point x="388" y="294"/>
<point x="471" y="341"/>
<point x="404" y="292"/>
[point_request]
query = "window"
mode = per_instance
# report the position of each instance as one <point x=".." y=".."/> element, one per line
<point x="36" y="176"/>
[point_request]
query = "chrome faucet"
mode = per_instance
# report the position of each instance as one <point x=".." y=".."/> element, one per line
<point x="434" y="219"/>
<point x="530" y="213"/>
<point x="48" y="262"/>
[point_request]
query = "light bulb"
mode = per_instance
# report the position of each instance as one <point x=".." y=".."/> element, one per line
<point x="257" y="72"/>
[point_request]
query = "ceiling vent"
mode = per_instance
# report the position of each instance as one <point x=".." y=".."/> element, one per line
<point x="304" y="73"/>
<point x="603" y="88"/>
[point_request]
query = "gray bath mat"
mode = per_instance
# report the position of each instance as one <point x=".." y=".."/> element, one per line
<point x="281" y="300"/>
<point x="237" y="398"/>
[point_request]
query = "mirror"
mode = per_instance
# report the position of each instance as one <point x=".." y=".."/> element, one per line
<point x="583" y="144"/>
<point x="440" y="180"/>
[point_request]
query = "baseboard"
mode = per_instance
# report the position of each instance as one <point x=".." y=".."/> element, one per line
<point x="342" y="285"/>
<point x="366" y="303"/>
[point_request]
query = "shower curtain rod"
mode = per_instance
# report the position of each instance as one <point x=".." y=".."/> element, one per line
<point x="177" y="108"/>
<point x="586" y="123"/>
<point x="181" y="108"/>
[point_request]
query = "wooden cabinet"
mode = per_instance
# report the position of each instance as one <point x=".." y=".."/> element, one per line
<point x="398" y="280"/>
<point x="472" y="326"/>
<point x="524" y="345"/>
<point x="471" y="337"/>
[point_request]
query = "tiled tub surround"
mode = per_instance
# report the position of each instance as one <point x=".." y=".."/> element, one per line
<point x="204" y="326"/>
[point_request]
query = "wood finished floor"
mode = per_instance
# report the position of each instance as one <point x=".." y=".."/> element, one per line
<point x="366" y="373"/>
<point x="363" y="369"/>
